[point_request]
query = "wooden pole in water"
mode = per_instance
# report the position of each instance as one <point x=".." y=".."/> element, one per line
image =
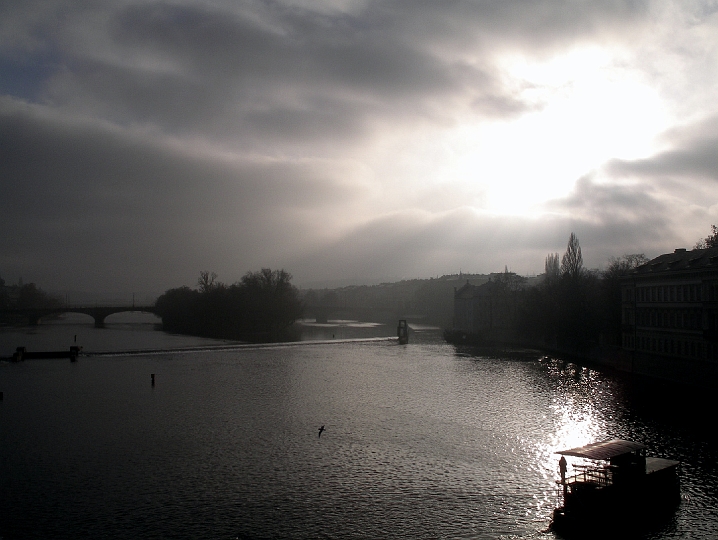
<point x="152" y="376"/>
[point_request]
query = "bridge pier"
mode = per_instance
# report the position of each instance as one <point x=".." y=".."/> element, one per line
<point x="99" y="322"/>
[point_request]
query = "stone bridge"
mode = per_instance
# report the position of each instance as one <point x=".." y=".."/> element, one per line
<point x="98" y="313"/>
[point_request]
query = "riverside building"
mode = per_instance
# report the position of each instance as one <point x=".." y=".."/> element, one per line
<point x="670" y="316"/>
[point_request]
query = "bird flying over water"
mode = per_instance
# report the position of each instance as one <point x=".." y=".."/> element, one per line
<point x="321" y="429"/>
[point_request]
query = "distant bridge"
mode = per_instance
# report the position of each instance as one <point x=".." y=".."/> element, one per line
<point x="98" y="313"/>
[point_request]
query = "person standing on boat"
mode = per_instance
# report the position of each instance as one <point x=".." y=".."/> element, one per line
<point x="562" y="468"/>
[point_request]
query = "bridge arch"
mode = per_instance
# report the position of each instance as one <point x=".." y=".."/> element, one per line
<point x="132" y="316"/>
<point x="82" y="318"/>
<point x="98" y="313"/>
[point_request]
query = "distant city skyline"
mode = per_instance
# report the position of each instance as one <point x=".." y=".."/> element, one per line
<point x="349" y="142"/>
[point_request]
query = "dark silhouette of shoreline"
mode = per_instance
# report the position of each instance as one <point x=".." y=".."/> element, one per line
<point x="262" y="307"/>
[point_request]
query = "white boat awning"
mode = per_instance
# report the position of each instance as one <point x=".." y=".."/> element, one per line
<point x="603" y="450"/>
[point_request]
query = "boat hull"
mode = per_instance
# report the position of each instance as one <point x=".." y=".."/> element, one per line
<point x="635" y="502"/>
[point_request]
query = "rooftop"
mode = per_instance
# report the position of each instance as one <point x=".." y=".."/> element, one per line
<point x="603" y="450"/>
<point x="681" y="259"/>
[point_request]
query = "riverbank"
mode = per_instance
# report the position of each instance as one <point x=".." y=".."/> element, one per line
<point x="684" y="372"/>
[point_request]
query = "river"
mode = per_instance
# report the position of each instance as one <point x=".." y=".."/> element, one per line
<point x="421" y="440"/>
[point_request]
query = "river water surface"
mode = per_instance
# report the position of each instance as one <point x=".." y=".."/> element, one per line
<point x="420" y="441"/>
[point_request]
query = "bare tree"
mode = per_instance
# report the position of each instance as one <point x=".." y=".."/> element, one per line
<point x="572" y="261"/>
<point x="206" y="281"/>
<point x="508" y="281"/>
<point x="621" y="266"/>
<point x="712" y="238"/>
<point x="709" y="241"/>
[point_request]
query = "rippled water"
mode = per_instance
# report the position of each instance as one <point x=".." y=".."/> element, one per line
<point x="421" y="441"/>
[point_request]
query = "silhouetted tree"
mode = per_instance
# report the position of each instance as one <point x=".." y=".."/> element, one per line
<point x="621" y="266"/>
<point x="4" y="297"/>
<point x="273" y="303"/>
<point x="261" y="307"/>
<point x="31" y="296"/>
<point x="563" y="313"/>
<point x="508" y="281"/>
<point x="552" y="267"/>
<point x="177" y="307"/>
<point x="712" y="239"/>
<point x="572" y="261"/>
<point x="206" y="281"/>
<point x="709" y="241"/>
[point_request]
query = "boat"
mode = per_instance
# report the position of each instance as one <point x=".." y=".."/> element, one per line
<point x="620" y="489"/>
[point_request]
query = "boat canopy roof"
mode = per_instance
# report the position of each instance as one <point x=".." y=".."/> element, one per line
<point x="603" y="450"/>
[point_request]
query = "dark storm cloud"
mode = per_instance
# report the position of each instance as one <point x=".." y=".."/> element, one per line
<point x="648" y="205"/>
<point x="616" y="219"/>
<point x="78" y="191"/>
<point x="610" y="203"/>
<point x="282" y="73"/>
<point x="269" y="72"/>
<point x="694" y="156"/>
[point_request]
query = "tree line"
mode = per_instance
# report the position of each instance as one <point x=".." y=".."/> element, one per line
<point x="261" y="307"/>
<point x="575" y="309"/>
<point x="25" y="296"/>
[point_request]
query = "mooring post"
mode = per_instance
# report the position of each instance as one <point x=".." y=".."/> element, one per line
<point x="152" y="376"/>
<point x="402" y="332"/>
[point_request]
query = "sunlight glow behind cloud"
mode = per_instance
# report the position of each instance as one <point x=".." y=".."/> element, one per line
<point x="588" y="112"/>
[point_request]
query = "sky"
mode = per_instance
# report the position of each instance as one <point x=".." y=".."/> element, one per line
<point x="349" y="141"/>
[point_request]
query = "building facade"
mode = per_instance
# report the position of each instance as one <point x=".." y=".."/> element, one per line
<point x="670" y="315"/>
<point x="486" y="313"/>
